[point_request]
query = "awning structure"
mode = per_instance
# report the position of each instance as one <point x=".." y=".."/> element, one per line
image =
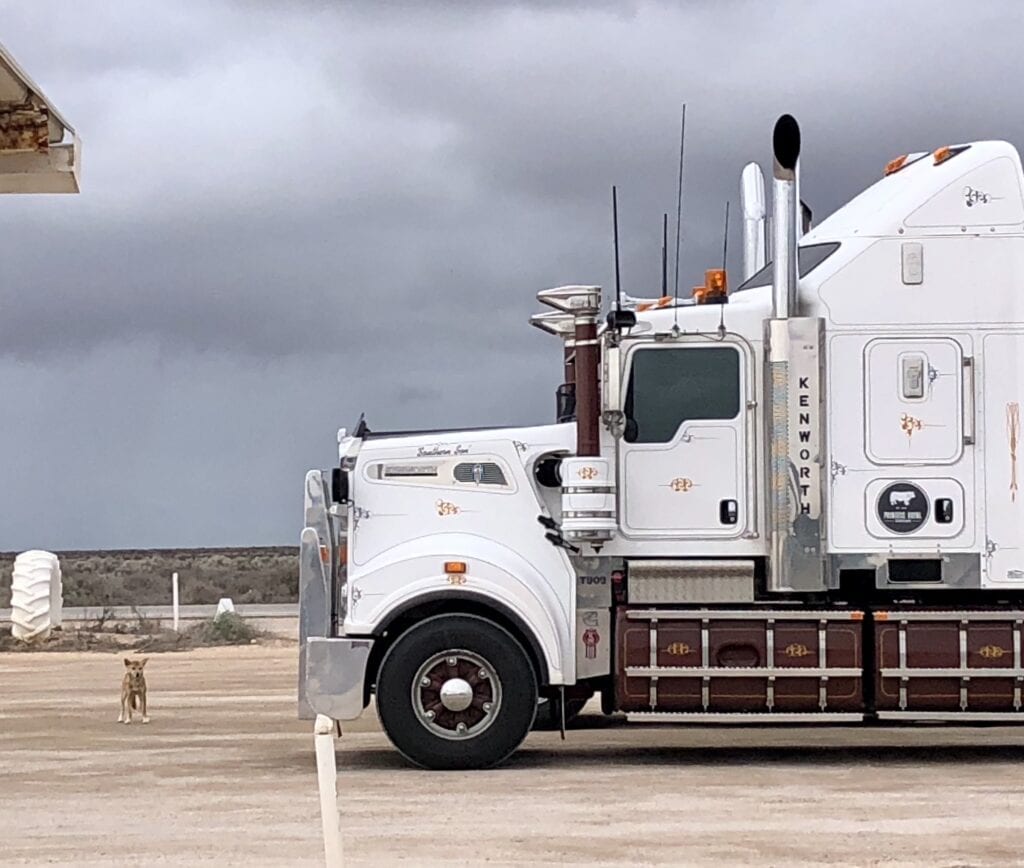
<point x="39" y="151"/>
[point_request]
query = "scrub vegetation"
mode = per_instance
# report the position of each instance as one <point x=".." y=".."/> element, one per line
<point x="143" y="577"/>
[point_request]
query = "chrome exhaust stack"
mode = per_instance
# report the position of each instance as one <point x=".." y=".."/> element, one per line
<point x="753" y="205"/>
<point x="793" y="382"/>
<point x="785" y="196"/>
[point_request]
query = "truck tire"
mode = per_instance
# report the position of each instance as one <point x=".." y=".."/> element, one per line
<point x="456" y="692"/>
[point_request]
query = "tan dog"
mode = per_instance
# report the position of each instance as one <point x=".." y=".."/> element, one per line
<point x="133" y="691"/>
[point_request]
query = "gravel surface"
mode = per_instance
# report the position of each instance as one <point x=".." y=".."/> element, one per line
<point x="225" y="775"/>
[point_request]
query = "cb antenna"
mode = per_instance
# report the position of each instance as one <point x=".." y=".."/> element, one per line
<point x="725" y="254"/>
<point x="664" y="255"/>
<point x="679" y="211"/>
<point x="725" y="235"/>
<point x="615" y="232"/>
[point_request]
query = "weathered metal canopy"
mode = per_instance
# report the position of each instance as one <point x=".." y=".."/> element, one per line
<point x="39" y="151"/>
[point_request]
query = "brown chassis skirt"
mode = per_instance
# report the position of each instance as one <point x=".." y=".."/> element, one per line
<point x="738" y="643"/>
<point x="936" y="645"/>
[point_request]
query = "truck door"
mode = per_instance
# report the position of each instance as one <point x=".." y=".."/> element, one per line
<point x="682" y="459"/>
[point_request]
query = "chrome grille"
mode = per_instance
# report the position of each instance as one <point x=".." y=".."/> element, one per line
<point x="480" y="473"/>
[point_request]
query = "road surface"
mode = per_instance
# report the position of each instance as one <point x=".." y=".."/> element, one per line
<point x="225" y="775"/>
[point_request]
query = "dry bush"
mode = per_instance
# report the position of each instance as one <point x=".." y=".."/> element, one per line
<point x="143" y="577"/>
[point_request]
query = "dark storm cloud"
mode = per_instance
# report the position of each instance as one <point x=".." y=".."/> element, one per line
<point x="294" y="212"/>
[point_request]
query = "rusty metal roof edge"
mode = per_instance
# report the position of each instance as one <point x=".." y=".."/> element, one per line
<point x="15" y="69"/>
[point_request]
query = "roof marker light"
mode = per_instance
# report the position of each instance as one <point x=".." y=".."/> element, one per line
<point x="944" y="153"/>
<point x="894" y="166"/>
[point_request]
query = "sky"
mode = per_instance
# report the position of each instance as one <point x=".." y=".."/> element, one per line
<point x="296" y="212"/>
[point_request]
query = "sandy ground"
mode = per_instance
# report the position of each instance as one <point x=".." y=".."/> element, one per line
<point x="225" y="775"/>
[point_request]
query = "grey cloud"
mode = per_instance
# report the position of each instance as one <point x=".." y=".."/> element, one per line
<point x="295" y="212"/>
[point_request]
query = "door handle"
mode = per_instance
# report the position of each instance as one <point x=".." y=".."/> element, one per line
<point x="728" y="511"/>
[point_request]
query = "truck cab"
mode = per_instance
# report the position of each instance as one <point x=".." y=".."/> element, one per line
<point x="794" y="501"/>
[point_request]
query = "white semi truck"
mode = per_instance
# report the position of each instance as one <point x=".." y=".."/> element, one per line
<point x="793" y="502"/>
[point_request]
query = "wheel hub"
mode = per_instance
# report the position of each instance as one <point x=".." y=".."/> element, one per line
<point x="456" y="694"/>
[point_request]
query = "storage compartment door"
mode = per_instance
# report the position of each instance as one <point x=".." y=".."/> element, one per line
<point x="914" y="401"/>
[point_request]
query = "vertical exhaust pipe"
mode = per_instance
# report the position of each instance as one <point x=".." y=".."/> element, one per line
<point x="753" y="206"/>
<point x="786" y="146"/>
<point x="583" y="305"/>
<point x="588" y="388"/>
<point x="793" y="383"/>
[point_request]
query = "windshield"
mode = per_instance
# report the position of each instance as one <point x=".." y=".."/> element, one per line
<point x="808" y="258"/>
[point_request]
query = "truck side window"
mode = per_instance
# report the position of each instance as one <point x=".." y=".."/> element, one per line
<point x="669" y="386"/>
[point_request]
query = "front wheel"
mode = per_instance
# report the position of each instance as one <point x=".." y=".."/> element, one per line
<point x="456" y="692"/>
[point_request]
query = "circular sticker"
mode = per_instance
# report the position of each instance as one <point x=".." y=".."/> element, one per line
<point x="903" y="507"/>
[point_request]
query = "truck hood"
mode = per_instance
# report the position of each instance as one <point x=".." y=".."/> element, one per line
<point x="531" y="440"/>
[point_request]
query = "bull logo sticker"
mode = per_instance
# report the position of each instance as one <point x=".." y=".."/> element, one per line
<point x="587" y="473"/>
<point x="903" y="507"/>
<point x="681" y="483"/>
<point x="445" y="507"/>
<point x="678" y="649"/>
<point x="992" y="652"/>
<point x="590" y="639"/>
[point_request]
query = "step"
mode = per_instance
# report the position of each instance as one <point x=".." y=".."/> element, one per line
<point x="748" y="717"/>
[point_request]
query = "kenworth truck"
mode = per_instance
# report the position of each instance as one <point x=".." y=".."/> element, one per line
<point x="797" y="501"/>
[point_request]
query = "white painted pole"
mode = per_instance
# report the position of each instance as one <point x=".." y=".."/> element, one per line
<point x="327" y="776"/>
<point x="174" y="599"/>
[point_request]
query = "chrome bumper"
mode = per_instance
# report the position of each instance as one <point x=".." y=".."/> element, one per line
<point x="334" y="677"/>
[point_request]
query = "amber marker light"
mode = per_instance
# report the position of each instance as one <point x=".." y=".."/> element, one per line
<point x="455" y="566"/>
<point x="894" y="166"/>
<point x="716" y="282"/>
<point x="942" y="154"/>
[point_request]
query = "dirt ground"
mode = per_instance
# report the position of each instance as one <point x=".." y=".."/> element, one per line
<point x="225" y="775"/>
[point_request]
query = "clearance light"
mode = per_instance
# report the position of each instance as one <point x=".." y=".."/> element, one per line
<point x="894" y="166"/>
<point x="325" y="555"/>
<point x="942" y="154"/>
<point x="455" y="566"/>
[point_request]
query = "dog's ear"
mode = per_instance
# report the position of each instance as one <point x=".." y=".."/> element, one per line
<point x="127" y="662"/>
<point x="142" y="662"/>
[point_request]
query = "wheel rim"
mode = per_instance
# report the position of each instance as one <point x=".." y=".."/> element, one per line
<point x="456" y="694"/>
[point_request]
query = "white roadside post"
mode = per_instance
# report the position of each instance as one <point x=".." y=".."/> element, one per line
<point x="174" y="599"/>
<point x="327" y="776"/>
